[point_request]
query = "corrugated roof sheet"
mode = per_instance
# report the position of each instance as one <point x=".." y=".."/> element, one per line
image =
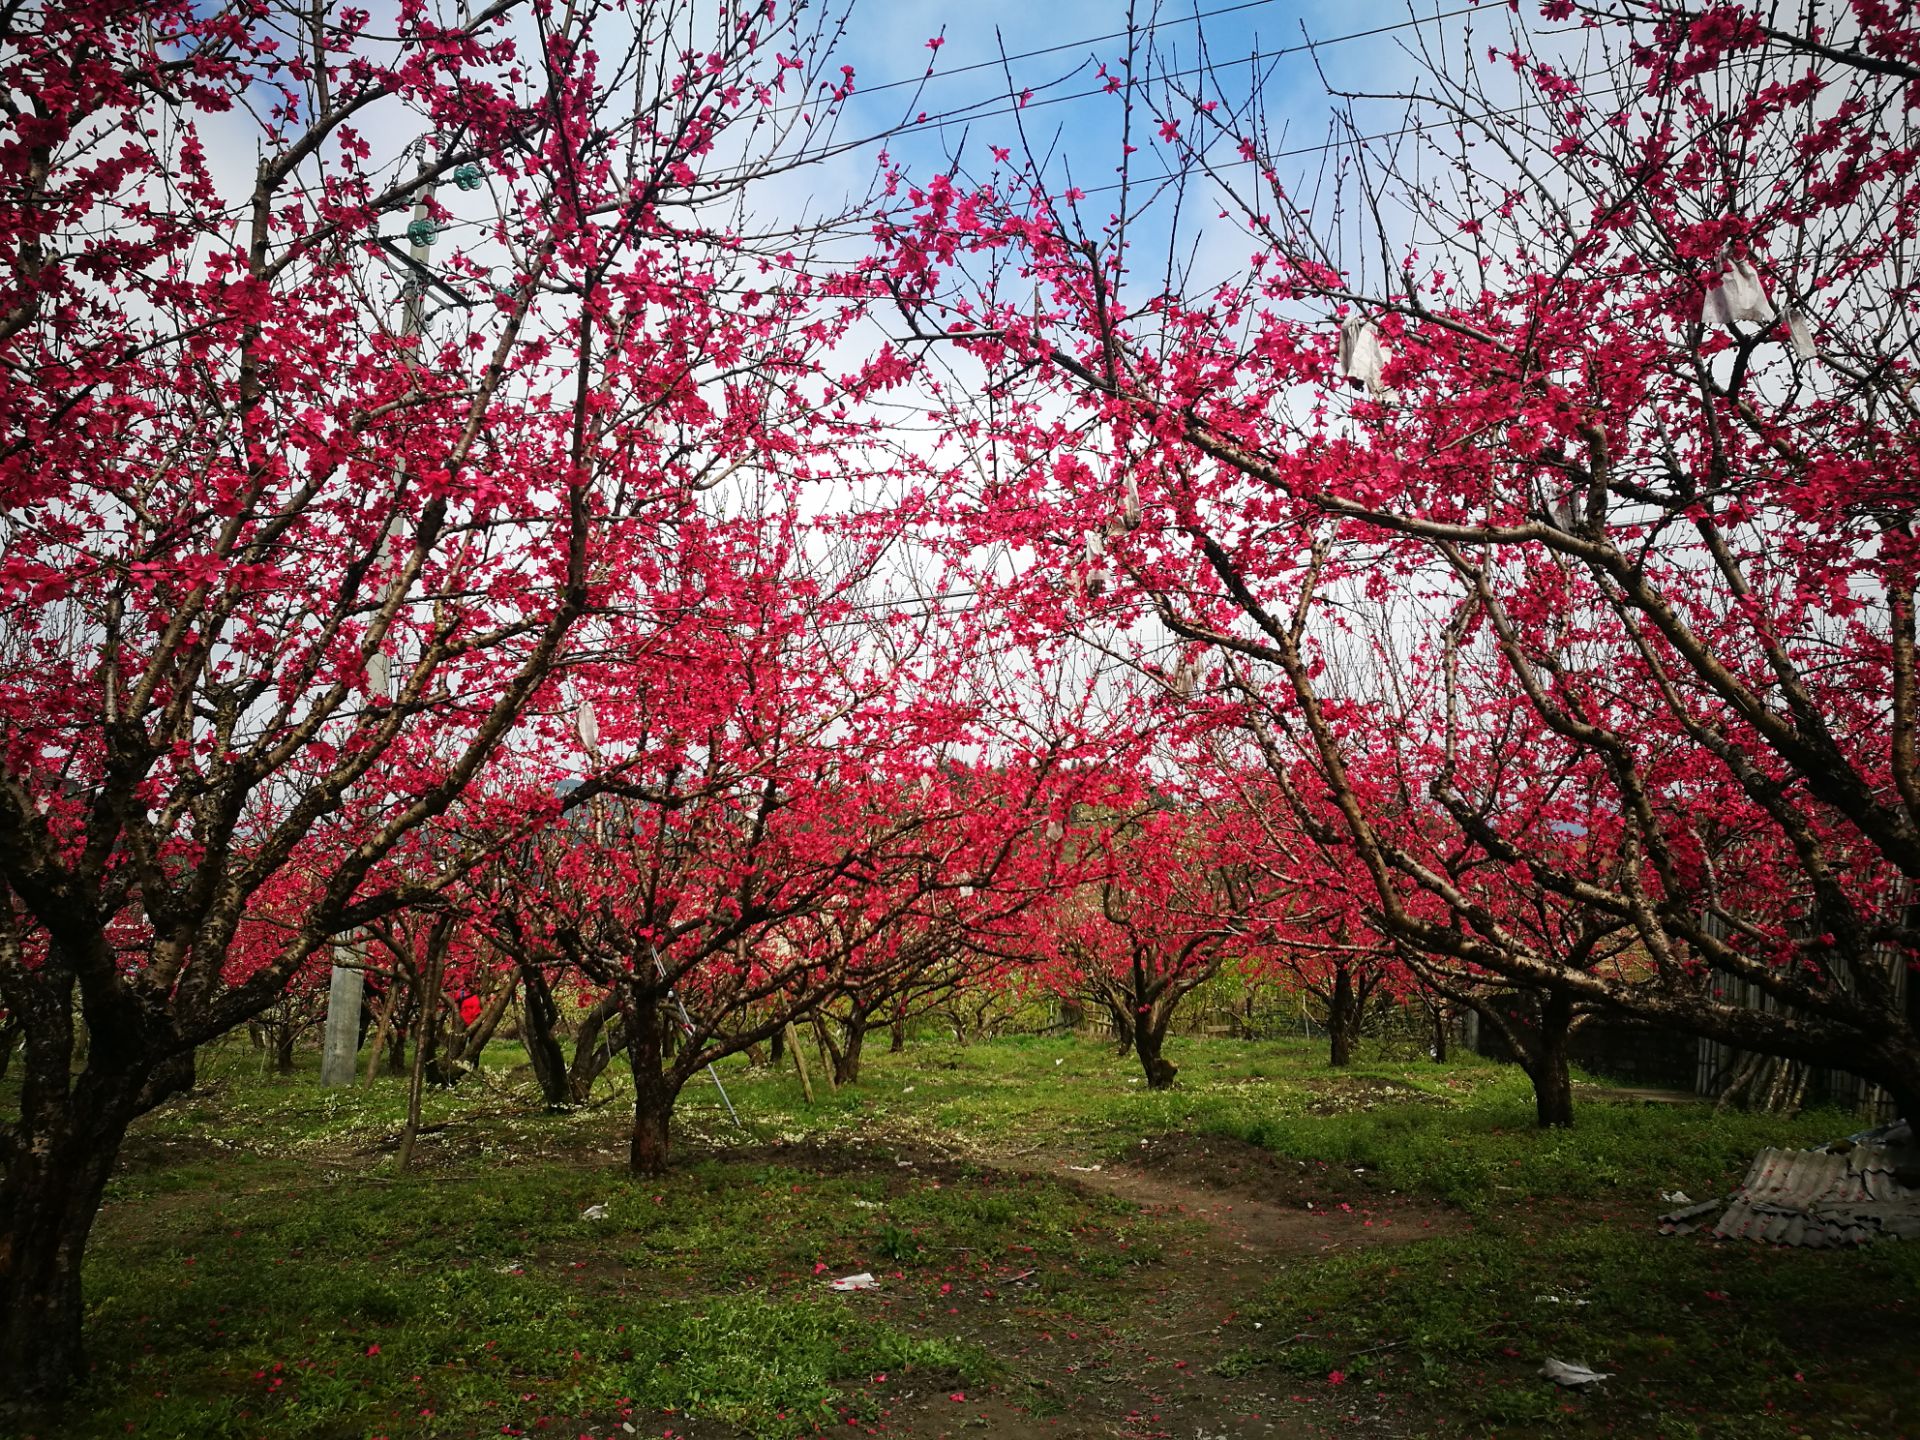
<point x="1813" y="1198"/>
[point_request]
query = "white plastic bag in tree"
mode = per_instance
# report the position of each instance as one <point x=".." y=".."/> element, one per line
<point x="1095" y="547"/>
<point x="1097" y="582"/>
<point x="1130" y="504"/>
<point x="589" y="725"/>
<point x="1362" y="357"/>
<point x="1801" y="333"/>
<point x="1738" y="296"/>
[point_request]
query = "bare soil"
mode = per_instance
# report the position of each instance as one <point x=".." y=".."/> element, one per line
<point x="1257" y="1204"/>
<point x="1157" y="1373"/>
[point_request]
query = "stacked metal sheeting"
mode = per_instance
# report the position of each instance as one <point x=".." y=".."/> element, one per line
<point x="1846" y="1194"/>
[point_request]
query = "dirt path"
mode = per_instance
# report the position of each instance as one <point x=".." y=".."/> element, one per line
<point x="1257" y="1204"/>
<point x="1238" y="1216"/>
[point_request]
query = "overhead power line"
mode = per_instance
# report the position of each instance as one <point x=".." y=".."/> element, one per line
<point x="1266" y="158"/>
<point x="974" y="109"/>
<point x="977" y="109"/>
<point x="932" y="74"/>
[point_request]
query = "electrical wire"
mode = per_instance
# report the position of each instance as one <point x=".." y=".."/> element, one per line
<point x="974" y="110"/>
<point x="933" y="74"/>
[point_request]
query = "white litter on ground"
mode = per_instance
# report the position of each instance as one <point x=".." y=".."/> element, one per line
<point x="1573" y="1377"/>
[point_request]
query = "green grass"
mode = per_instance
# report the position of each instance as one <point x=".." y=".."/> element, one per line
<point x="349" y="1349"/>
<point x="1463" y="1132"/>
<point x="463" y="1305"/>
<point x="261" y="1271"/>
<point x="1702" y="1339"/>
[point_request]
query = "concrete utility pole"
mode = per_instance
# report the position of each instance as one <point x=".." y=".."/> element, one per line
<point x="343" y="1020"/>
<point x="346" y="993"/>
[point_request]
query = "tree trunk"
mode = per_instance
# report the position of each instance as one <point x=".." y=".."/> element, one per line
<point x="426" y="1018"/>
<point x="896" y="1042"/>
<point x="1343" y="1019"/>
<point x="460" y="1056"/>
<point x="1148" y="1036"/>
<point x="49" y="1207"/>
<point x="595" y="1046"/>
<point x="284" y="1036"/>
<point x="540" y="1017"/>
<point x="1439" y="1013"/>
<point x="383" y="1027"/>
<point x="70" y="1137"/>
<point x="402" y="1027"/>
<point x="846" y="1064"/>
<point x="647" y="1151"/>
<point x="1552" y="1084"/>
<point x="443" y="1060"/>
<point x="829" y="1062"/>
<point x="653" y="1093"/>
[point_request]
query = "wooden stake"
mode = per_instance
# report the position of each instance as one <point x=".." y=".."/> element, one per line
<point x="799" y="1061"/>
<point x="826" y="1054"/>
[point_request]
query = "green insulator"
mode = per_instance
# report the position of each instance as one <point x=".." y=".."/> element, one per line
<point x="423" y="232"/>
<point x="469" y="176"/>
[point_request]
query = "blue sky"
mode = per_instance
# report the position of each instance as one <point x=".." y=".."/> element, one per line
<point x="1058" y="47"/>
<point x="888" y="42"/>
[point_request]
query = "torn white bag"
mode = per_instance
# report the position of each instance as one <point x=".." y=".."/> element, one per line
<point x="1738" y="296"/>
<point x="1573" y="1376"/>
<point x="1361" y="356"/>
<point x="1801" y="333"/>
